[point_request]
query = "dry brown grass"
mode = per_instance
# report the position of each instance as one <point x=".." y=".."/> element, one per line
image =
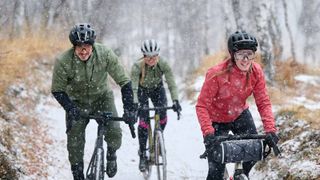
<point x="299" y="112"/>
<point x="16" y="54"/>
<point x="20" y="61"/>
<point x="287" y="70"/>
<point x="286" y="87"/>
<point x="209" y="61"/>
<point x="6" y="170"/>
<point x="206" y="63"/>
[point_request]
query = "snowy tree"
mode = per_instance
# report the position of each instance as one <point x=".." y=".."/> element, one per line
<point x="285" y="9"/>
<point x="310" y="28"/>
<point x="263" y="11"/>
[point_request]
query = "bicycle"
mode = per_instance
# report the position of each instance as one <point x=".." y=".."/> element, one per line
<point x="96" y="167"/>
<point x="156" y="152"/>
<point x="235" y="149"/>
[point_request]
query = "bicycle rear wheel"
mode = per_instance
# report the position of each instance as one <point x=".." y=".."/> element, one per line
<point x="160" y="156"/>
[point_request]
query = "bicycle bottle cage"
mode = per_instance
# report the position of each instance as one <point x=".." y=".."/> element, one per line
<point x="234" y="151"/>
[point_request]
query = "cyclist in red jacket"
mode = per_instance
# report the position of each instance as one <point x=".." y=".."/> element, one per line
<point x="222" y="105"/>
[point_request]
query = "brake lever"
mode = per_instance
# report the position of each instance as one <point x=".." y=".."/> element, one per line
<point x="132" y="131"/>
<point x="179" y="114"/>
<point x="276" y="150"/>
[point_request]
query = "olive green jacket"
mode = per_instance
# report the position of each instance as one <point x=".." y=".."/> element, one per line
<point x="87" y="82"/>
<point x="153" y="77"/>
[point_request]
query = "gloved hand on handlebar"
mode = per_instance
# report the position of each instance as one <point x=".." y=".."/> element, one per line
<point x="210" y="140"/>
<point x="129" y="107"/>
<point x="176" y="106"/>
<point x="272" y="139"/>
<point x="131" y="115"/>
<point x="73" y="115"/>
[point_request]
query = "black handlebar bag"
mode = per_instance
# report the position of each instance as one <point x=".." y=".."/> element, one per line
<point x="234" y="151"/>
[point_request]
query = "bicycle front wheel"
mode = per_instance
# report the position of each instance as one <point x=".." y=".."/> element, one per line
<point x="99" y="170"/>
<point x="160" y="156"/>
<point x="95" y="169"/>
<point x="240" y="177"/>
<point x="147" y="172"/>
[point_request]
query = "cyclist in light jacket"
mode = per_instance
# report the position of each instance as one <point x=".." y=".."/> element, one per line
<point x="222" y="105"/>
<point x="147" y="82"/>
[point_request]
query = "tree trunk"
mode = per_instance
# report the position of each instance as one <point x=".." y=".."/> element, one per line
<point x="237" y="14"/>
<point x="226" y="10"/>
<point x="17" y="20"/>
<point x="285" y="9"/>
<point x="263" y="14"/>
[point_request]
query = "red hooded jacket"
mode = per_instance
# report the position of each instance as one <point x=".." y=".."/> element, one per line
<point x="223" y="96"/>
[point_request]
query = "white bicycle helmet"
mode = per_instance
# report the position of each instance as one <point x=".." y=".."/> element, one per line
<point x="150" y="47"/>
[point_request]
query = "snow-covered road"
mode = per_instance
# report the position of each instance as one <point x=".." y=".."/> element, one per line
<point x="183" y="141"/>
<point x="182" y="138"/>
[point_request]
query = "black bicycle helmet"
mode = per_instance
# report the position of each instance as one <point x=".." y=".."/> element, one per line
<point x="241" y="40"/>
<point x="150" y="47"/>
<point x="82" y="33"/>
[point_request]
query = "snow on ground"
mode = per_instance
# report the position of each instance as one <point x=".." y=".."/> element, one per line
<point x="308" y="79"/>
<point x="183" y="140"/>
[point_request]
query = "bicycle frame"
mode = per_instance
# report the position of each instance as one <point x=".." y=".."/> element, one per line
<point x="95" y="170"/>
<point x="156" y="146"/>
<point x="238" y="173"/>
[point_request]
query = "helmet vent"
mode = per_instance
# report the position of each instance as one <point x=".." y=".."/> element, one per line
<point x="150" y="47"/>
<point x="82" y="33"/>
<point x="241" y="40"/>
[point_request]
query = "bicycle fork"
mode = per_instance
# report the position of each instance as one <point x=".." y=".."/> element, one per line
<point x="96" y="166"/>
<point x="238" y="171"/>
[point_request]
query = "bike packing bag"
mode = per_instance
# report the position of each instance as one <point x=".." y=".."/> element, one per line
<point x="234" y="151"/>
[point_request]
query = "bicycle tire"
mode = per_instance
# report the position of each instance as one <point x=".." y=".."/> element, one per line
<point x="240" y="177"/>
<point x="147" y="172"/>
<point x="160" y="156"/>
<point x="226" y="174"/>
<point x="99" y="170"/>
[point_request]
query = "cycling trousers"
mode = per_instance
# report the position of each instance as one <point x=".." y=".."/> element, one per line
<point x="242" y="125"/>
<point x="76" y="135"/>
<point x="159" y="99"/>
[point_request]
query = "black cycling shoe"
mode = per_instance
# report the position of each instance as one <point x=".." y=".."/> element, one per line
<point x="111" y="163"/>
<point x="143" y="163"/>
<point x="77" y="171"/>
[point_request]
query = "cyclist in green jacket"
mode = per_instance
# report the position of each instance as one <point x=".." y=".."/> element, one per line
<point x="79" y="83"/>
<point x="147" y="82"/>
